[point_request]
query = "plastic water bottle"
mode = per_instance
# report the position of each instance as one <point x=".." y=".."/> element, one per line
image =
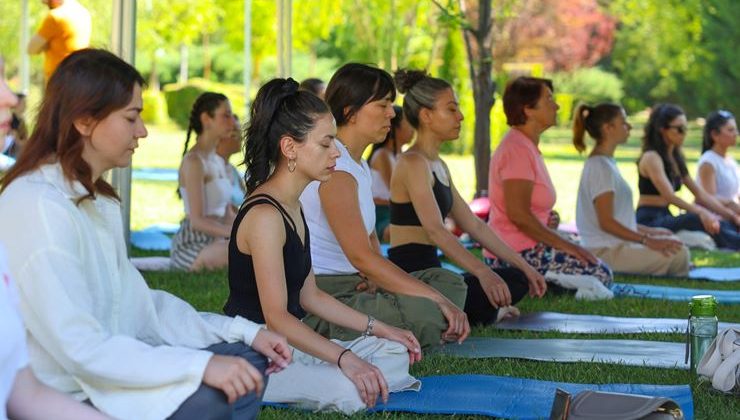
<point x="702" y="328"/>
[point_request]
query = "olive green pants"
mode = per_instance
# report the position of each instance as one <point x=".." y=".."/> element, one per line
<point x="419" y="315"/>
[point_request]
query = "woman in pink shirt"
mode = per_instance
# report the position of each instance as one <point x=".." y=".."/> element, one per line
<point x="522" y="195"/>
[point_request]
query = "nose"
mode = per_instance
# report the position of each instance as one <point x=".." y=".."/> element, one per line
<point x="335" y="150"/>
<point x="141" y="131"/>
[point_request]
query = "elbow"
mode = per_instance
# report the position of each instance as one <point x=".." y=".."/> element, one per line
<point x="520" y="220"/>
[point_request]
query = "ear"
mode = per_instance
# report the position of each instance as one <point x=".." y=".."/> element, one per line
<point x="204" y="119"/>
<point x="425" y="115"/>
<point x="85" y="126"/>
<point x="288" y="147"/>
<point x="346" y="112"/>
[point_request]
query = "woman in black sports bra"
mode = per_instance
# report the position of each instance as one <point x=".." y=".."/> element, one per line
<point x="422" y="195"/>
<point x="662" y="171"/>
<point x="289" y="143"/>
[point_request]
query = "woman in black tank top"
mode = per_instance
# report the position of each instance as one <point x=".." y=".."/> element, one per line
<point x="662" y="170"/>
<point x="289" y="143"/>
<point x="423" y="195"/>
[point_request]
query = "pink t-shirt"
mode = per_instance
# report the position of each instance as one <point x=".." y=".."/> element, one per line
<point x="518" y="158"/>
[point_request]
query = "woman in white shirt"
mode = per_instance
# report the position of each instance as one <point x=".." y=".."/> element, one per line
<point x="604" y="213"/>
<point x="717" y="171"/>
<point x="95" y="330"/>
<point x="205" y="189"/>
<point x="21" y="394"/>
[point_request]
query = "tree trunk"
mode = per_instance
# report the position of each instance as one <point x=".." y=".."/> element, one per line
<point x="154" y="75"/>
<point x="206" y="57"/>
<point x="479" y="48"/>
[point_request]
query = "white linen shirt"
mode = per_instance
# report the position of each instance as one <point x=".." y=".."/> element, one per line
<point x="94" y="327"/>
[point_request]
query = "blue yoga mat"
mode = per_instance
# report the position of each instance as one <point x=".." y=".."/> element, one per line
<point x="505" y="397"/>
<point x="673" y="293"/>
<point x="715" y="273"/>
<point x="151" y="240"/>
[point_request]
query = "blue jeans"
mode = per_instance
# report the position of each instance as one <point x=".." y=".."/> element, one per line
<point x="210" y="403"/>
<point x="728" y="236"/>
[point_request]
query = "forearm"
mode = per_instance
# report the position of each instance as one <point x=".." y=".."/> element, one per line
<point x="302" y="337"/>
<point x="452" y="248"/>
<point x="210" y="226"/>
<point x="490" y="241"/>
<point x="532" y="227"/>
<point x="613" y="227"/>
<point x="328" y="308"/>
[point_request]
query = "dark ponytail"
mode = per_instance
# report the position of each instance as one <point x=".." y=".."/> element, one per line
<point x="207" y="102"/>
<point x="592" y="119"/>
<point x="715" y="121"/>
<point x="279" y="109"/>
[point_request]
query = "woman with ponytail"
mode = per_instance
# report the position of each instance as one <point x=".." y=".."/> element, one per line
<point x="382" y="159"/>
<point x="289" y="143"/>
<point x="662" y="172"/>
<point x="604" y="213"/>
<point x="423" y="195"/>
<point x="205" y="189"/>
<point x="718" y="173"/>
<point x="341" y="216"/>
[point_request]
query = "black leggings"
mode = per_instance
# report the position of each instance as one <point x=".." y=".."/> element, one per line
<point x="414" y="257"/>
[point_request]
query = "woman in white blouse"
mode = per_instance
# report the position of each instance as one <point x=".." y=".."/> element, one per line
<point x="95" y="330"/>
<point x="717" y="171"/>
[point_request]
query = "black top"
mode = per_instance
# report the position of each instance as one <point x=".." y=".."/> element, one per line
<point x="244" y="299"/>
<point x="403" y="214"/>
<point x="646" y="186"/>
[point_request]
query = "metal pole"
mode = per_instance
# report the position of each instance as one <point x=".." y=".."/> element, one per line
<point x="284" y="49"/>
<point x="25" y="38"/>
<point x="123" y="43"/>
<point x="247" y="57"/>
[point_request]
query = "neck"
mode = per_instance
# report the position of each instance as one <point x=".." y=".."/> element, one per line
<point x="531" y="130"/>
<point x="354" y="143"/>
<point x="286" y="187"/>
<point x="604" y="148"/>
<point x="206" y="143"/>
<point x="427" y="144"/>
<point x="720" y="149"/>
<point x="669" y="149"/>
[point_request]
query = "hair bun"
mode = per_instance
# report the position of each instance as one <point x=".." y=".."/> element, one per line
<point x="289" y="87"/>
<point x="406" y="79"/>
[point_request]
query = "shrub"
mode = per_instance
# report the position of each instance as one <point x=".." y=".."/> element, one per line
<point x="155" y="107"/>
<point x="180" y="98"/>
<point x="590" y="85"/>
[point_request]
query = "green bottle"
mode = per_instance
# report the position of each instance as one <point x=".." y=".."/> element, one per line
<point x="702" y="328"/>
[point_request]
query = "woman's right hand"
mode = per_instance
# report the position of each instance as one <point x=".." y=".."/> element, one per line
<point x="367" y="378"/>
<point x="457" y="320"/>
<point x="710" y="222"/>
<point x="496" y="290"/>
<point x="665" y="245"/>
<point x="580" y="253"/>
<point x="232" y="375"/>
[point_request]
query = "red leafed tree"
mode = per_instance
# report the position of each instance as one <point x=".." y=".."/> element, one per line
<point x="562" y="34"/>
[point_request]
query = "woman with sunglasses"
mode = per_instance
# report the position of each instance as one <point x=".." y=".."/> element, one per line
<point x="662" y="171"/>
<point x="717" y="171"/>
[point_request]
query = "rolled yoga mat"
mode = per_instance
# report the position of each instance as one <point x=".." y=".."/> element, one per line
<point x="627" y="352"/>
<point x="506" y="397"/>
<point x="595" y="324"/>
<point x="672" y="293"/>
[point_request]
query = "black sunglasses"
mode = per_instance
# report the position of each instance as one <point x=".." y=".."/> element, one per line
<point x="681" y="129"/>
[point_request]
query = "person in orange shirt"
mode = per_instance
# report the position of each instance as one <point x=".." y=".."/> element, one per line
<point x="65" y="29"/>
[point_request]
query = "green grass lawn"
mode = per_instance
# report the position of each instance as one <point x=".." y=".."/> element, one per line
<point x="157" y="202"/>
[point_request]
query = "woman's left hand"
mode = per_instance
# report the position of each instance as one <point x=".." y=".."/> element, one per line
<point x="405" y="337"/>
<point x="275" y="347"/>
<point x="537" y="283"/>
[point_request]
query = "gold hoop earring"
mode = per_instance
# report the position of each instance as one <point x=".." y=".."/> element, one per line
<point x="291" y="165"/>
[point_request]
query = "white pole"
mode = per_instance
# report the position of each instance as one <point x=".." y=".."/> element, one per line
<point x="123" y="43"/>
<point x="247" y="57"/>
<point x="284" y="49"/>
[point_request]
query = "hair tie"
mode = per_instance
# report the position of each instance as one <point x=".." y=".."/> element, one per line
<point x="290" y="87"/>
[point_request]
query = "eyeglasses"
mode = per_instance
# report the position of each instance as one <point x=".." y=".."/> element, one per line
<point x="681" y="129"/>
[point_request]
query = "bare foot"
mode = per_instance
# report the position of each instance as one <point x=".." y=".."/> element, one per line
<point x="507" y="312"/>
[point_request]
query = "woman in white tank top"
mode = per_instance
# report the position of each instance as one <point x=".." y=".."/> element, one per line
<point x="205" y="188"/>
<point x="717" y="171"/>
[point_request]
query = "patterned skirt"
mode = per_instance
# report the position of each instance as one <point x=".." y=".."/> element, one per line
<point x="186" y="245"/>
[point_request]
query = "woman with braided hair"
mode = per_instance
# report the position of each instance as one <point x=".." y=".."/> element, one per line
<point x="205" y="189"/>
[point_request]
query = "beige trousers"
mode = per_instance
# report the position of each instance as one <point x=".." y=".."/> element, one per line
<point x="633" y="258"/>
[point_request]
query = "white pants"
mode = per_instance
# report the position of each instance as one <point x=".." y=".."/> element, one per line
<point x="313" y="384"/>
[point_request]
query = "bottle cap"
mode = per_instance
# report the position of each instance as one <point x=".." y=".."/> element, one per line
<point x="703" y="305"/>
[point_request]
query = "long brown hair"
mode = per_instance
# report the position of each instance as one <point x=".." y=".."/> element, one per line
<point x="88" y="83"/>
<point x="591" y="119"/>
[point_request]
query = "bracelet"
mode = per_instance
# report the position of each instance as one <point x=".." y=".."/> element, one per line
<point x="370" y="325"/>
<point x="339" y="359"/>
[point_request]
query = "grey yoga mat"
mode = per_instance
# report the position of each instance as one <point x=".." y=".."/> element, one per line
<point x="627" y="352"/>
<point x="595" y="324"/>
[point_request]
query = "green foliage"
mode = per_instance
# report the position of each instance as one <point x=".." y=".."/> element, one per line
<point x="590" y="85"/>
<point x="180" y="98"/>
<point x="155" y="107"/>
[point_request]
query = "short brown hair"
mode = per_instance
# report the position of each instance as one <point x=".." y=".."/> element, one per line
<point x="522" y="92"/>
